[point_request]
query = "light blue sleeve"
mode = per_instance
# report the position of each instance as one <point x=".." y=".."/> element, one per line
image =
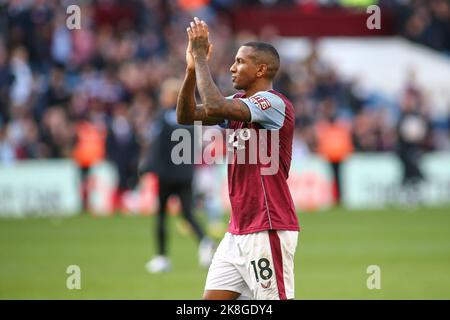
<point x="267" y="109"/>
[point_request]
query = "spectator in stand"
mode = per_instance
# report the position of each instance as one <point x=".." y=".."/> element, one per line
<point x="6" y="80"/>
<point x="7" y="153"/>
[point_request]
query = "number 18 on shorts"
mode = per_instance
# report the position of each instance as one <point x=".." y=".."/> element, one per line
<point x="259" y="265"/>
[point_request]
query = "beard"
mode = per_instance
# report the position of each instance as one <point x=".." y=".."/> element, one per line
<point x="237" y="86"/>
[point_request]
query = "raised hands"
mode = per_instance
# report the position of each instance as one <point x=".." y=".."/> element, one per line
<point x="199" y="45"/>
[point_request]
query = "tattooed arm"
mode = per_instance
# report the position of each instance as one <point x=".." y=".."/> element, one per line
<point x="187" y="109"/>
<point x="214" y="103"/>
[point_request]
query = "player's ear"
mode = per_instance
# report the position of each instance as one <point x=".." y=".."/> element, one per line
<point x="262" y="70"/>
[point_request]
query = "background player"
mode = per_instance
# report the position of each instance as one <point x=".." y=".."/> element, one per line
<point x="173" y="180"/>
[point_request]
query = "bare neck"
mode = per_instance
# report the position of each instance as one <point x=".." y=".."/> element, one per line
<point x="264" y="86"/>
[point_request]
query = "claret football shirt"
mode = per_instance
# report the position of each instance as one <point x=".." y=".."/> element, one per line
<point x="260" y="161"/>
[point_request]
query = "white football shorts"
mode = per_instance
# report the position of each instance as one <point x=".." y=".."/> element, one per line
<point x="259" y="266"/>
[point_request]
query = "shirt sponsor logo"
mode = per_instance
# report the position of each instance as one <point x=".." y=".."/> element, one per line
<point x="242" y="146"/>
<point x="261" y="102"/>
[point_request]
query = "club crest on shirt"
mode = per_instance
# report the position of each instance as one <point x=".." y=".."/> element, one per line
<point x="261" y="102"/>
<point x="266" y="286"/>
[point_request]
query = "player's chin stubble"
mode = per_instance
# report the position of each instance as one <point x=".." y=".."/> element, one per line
<point x="237" y="86"/>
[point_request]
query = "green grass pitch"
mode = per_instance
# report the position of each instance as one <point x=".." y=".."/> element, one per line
<point x="411" y="247"/>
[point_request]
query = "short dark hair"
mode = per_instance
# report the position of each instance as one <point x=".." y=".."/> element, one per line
<point x="265" y="54"/>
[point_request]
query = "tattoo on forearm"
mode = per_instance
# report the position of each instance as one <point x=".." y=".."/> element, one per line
<point x="209" y="93"/>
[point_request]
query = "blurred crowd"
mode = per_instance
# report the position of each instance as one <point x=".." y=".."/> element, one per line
<point x="93" y="93"/>
<point x="425" y="22"/>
